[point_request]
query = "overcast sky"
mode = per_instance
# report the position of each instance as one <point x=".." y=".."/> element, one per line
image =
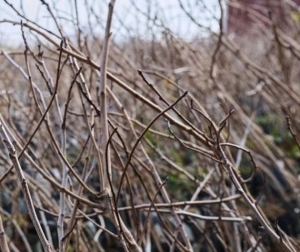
<point x="126" y="13"/>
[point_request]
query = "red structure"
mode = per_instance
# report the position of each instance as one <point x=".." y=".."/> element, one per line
<point x="242" y="15"/>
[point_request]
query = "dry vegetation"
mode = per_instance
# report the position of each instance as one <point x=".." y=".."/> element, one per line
<point x="159" y="144"/>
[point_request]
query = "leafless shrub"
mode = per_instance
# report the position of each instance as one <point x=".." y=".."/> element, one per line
<point x="151" y="143"/>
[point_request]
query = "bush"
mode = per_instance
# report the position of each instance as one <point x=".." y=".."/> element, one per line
<point x="152" y="143"/>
